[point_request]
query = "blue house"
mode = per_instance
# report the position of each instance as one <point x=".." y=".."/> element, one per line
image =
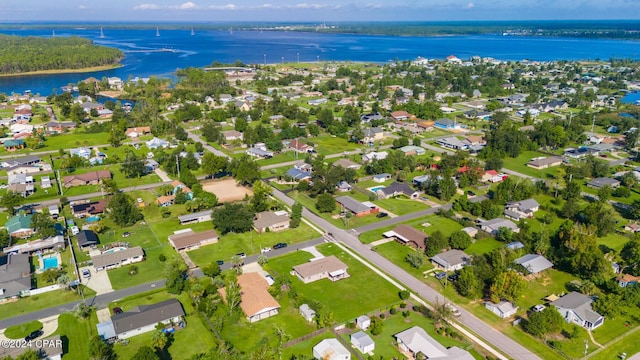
<point x="298" y="174"/>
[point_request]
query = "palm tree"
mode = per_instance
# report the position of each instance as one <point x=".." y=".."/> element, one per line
<point x="159" y="339"/>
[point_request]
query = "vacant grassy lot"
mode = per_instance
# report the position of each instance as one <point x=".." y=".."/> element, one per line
<point x="76" y="335"/>
<point x="401" y="205"/>
<point x="445" y="225"/>
<point x="42" y="301"/>
<point x="519" y="164"/>
<point x="397" y="254"/>
<point x="327" y="144"/>
<point x="343" y="223"/>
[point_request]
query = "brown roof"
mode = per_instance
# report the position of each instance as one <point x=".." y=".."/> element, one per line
<point x="401" y="113"/>
<point x="426" y="124"/>
<point x="327" y="264"/>
<point x="116" y="257"/>
<point x="90" y="176"/>
<point x="628" y="278"/>
<point x="254" y="295"/>
<point x="164" y="199"/>
<point x="475" y="138"/>
<point x="139" y="130"/>
<point x="190" y="238"/>
<point x="411" y="234"/>
<point x="185" y="188"/>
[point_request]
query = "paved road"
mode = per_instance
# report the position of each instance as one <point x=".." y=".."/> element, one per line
<point x="210" y="148"/>
<point x="330" y="156"/>
<point x="401" y="219"/>
<point x="497" y="339"/>
<point x="102" y="301"/>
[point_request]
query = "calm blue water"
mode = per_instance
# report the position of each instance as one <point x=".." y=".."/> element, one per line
<point x="50" y="263"/>
<point x="631" y="97"/>
<point x="207" y="46"/>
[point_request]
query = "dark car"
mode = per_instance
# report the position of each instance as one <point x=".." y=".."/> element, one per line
<point x="208" y="177"/>
<point x="34" y="335"/>
<point x="241" y="255"/>
<point x="220" y="262"/>
<point x="126" y="234"/>
<point x="453" y="277"/>
<point x="382" y="214"/>
<point x="441" y="275"/>
<point x="280" y="246"/>
<point x="117" y="310"/>
<point x="471" y="193"/>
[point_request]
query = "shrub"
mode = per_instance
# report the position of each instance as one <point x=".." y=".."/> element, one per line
<point x="133" y="270"/>
<point x="403" y="305"/>
<point x="351" y="325"/>
<point x="406" y="313"/>
<point x="382" y="316"/>
<point x="162" y="258"/>
<point x="393" y="310"/>
<point x="404" y="294"/>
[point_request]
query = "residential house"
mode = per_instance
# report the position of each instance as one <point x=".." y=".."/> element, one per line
<point x="400" y="115"/>
<point x="492" y="176"/>
<point x="625" y="280"/>
<point x="23" y="189"/>
<point x="87" y="238"/>
<point x="396" y="189"/>
<point x="88" y="208"/>
<point x="446" y="124"/>
<point x="372" y="134"/>
<point x="331" y="349"/>
<point x="28" y="169"/>
<point x="114" y="259"/>
<point x="478" y="115"/>
<point x="165" y="200"/>
<point x="298" y="146"/>
<point x="380" y="178"/>
<point x="602" y="182"/>
<point x="231" y="135"/>
<point x="15" y="275"/>
<point x="317" y="102"/>
<point x="634" y="228"/>
<point x="307" y="313"/>
<point x="187" y="239"/>
<point x="356" y="207"/>
<point x="492" y="226"/>
<point x="534" y="263"/>
<point x="37" y="246"/>
<point x="45" y="182"/>
<point x="135" y="132"/>
<point x="412" y="150"/>
<point x="544" y="162"/>
<point x="196" y="217"/>
<point x="256" y="302"/>
<point x="362" y="342"/>
<point x="476" y="140"/>
<point x="347" y="164"/>
<point x="408" y="235"/>
<point x="363" y="322"/>
<point x="13" y="145"/>
<point x="450" y="260"/>
<point x="453" y="143"/>
<point x="145" y="318"/>
<point x="19" y="226"/>
<point x="415" y="340"/>
<point x="380" y="155"/>
<point x="329" y="267"/>
<point x="90" y="178"/>
<point x="367" y="118"/>
<point x="157" y="143"/>
<point x="518" y="210"/>
<point x="54" y="211"/>
<point x="576" y="308"/>
<point x="82" y="152"/>
<point x="504" y="309"/>
<point x="298" y="175"/>
<point x="271" y="221"/>
<point x="343" y="186"/>
<point x="515" y="245"/>
<point x="29" y="160"/>
<point x="259" y="153"/>
<point x="150" y="165"/>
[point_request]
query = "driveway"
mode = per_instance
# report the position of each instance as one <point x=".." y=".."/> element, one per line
<point x="49" y="326"/>
<point x="254" y="267"/>
<point x="98" y="282"/>
<point x="312" y="249"/>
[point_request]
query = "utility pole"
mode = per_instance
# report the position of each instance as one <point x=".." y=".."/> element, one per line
<point x="60" y="184"/>
<point x="593" y="123"/>
<point x="178" y="165"/>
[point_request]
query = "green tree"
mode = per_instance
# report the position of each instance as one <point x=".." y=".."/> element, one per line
<point x="11" y="200"/>
<point x="123" y="210"/>
<point x="159" y="340"/>
<point x="132" y="167"/>
<point x="212" y="270"/>
<point x="213" y="164"/>
<point x="325" y="203"/>
<point x="435" y="243"/>
<point x="261" y="192"/>
<point x="415" y="259"/>
<point x="100" y="350"/>
<point x="175" y="276"/>
<point x="460" y="240"/>
<point x="377" y="325"/>
<point x="233" y="217"/>
<point x="232" y="294"/>
<point x="508" y="285"/>
<point x="542" y="323"/>
<point x="468" y="283"/>
<point x="181" y="134"/>
<point x="296" y="215"/>
<point x="30" y="354"/>
<point x="245" y="170"/>
<point x="44" y="225"/>
<point x="145" y="353"/>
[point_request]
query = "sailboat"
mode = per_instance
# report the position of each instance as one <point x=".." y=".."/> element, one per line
<point x="101" y="33"/>
<point x="157" y="31"/>
<point x="53" y="33"/>
<point x="231" y="30"/>
<point x="192" y="32"/>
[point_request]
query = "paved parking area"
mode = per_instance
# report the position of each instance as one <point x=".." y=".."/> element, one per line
<point x="99" y="281"/>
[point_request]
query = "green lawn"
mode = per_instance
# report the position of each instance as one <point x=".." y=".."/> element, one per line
<point x="148" y="270"/>
<point x="327" y="144"/>
<point x="519" y="164"/>
<point x="352" y="222"/>
<point x="304" y="349"/>
<point x="41" y="301"/>
<point x="76" y="334"/>
<point x="249" y="243"/>
<point x="280" y="158"/>
<point x="401" y="205"/>
<point x="445" y="225"/>
<point x="484" y="246"/>
<point x="629" y="344"/>
<point x="22" y="330"/>
<point x="397" y="253"/>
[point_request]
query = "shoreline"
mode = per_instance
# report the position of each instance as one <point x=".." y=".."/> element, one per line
<point x="64" y="71"/>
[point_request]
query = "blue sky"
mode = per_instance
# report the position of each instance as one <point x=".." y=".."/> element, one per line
<point x="314" y="10"/>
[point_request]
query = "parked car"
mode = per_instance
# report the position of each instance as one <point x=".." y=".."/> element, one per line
<point x="242" y="255"/>
<point x="75" y="230"/>
<point x="86" y="273"/>
<point x="453" y="277"/>
<point x="34" y="335"/>
<point x="126" y="234"/>
<point x="4" y="186"/>
<point x="280" y="246"/>
<point x="269" y="279"/>
<point x="454" y="310"/>
<point x="219" y="262"/>
<point x="538" y="308"/>
<point x="441" y="275"/>
<point x="265" y="250"/>
<point x="382" y="214"/>
<point x="471" y="193"/>
<point x="117" y="310"/>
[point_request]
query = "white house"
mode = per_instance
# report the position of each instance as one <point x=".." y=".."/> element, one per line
<point x="415" y="341"/>
<point x="362" y="342"/>
<point x="331" y="349"/>
<point x="363" y="322"/>
<point x="504" y="309"/>
<point x="450" y="260"/>
<point x="576" y="308"/>
<point x="518" y="210"/>
<point x="144" y="318"/>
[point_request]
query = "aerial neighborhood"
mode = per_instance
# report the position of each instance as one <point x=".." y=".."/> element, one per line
<point x="426" y="209"/>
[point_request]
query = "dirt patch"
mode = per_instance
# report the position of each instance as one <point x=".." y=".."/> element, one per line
<point x="226" y="190"/>
<point x="110" y="93"/>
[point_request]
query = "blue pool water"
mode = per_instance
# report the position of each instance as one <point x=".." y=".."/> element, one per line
<point x="376" y="188"/>
<point x="50" y="263"/>
<point x="91" y="219"/>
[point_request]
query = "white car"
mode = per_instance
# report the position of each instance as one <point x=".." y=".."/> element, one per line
<point x="538" y="308"/>
<point x="4" y="186"/>
<point x="265" y="250"/>
<point x="86" y="273"/>
<point x="269" y="279"/>
<point x="454" y="310"/>
<point x="75" y="230"/>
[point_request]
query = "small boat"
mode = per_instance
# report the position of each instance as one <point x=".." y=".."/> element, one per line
<point x="192" y="32"/>
<point x="101" y="33"/>
<point x="53" y="33"/>
<point x="157" y="31"/>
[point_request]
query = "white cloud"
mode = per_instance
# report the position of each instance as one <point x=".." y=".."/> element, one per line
<point x="146" y="7"/>
<point x="186" y="6"/>
<point x="470" y="6"/>
<point x="373" y="6"/>
<point x="308" y="6"/>
<point x="82" y="7"/>
<point x="224" y="7"/>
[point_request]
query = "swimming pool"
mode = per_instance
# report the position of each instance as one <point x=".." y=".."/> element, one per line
<point x="376" y="188"/>
<point x="50" y="263"/>
<point x="91" y="219"/>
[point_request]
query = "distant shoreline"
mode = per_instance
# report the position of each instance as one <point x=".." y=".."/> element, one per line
<point x="64" y="71"/>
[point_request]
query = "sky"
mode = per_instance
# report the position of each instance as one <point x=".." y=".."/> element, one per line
<point x="328" y="11"/>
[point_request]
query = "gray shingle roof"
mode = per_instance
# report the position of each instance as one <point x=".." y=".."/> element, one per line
<point x="144" y="315"/>
<point x="534" y="263"/>
<point x="580" y="304"/>
<point x="15" y="273"/>
<point x="352" y="205"/>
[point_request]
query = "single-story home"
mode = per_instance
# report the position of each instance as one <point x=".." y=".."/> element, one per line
<point x="518" y="210"/>
<point x="453" y="143"/>
<point x="446" y="124"/>
<point x="331" y="349"/>
<point x="298" y="175"/>
<point x="298" y="146"/>
<point x="256" y="302"/>
<point x="380" y="178"/>
<point x="372" y="134"/>
<point x="492" y="176"/>
<point x="271" y="221"/>
<point x="259" y="153"/>
<point x="363" y="322"/>
<point x="231" y="135"/>
<point x="471" y="231"/>
<point x="15" y="275"/>
<point x="416" y="341"/>
<point x="40" y="245"/>
<point x="90" y="178"/>
<point x="362" y="342"/>
<point x="602" y="182"/>
<point x="378" y="155"/>
<point x="347" y="164"/>
<point x="13" y="145"/>
<point x="115" y="259"/>
<point x="504" y="309"/>
<point x="165" y="200"/>
<point x="328" y="267"/>
<point x="188" y="239"/>
<point x="412" y="150"/>
<point x="307" y="313"/>
<point x="450" y="260"/>
<point x="408" y="235"/>
<point x="356" y="207"/>
<point x="28" y="160"/>
<point x="516" y="245"/>
<point x="135" y="132"/>
<point x="534" y="263"/>
<point x="88" y="208"/>
<point x="625" y="280"/>
<point x="87" y="238"/>
<point x="544" y="162"/>
<point x="196" y="217"/>
<point x="397" y="188"/>
<point x="492" y="226"/>
<point x="144" y="318"/>
<point x="19" y="226"/>
<point x="157" y="143"/>
<point x="576" y="308"/>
